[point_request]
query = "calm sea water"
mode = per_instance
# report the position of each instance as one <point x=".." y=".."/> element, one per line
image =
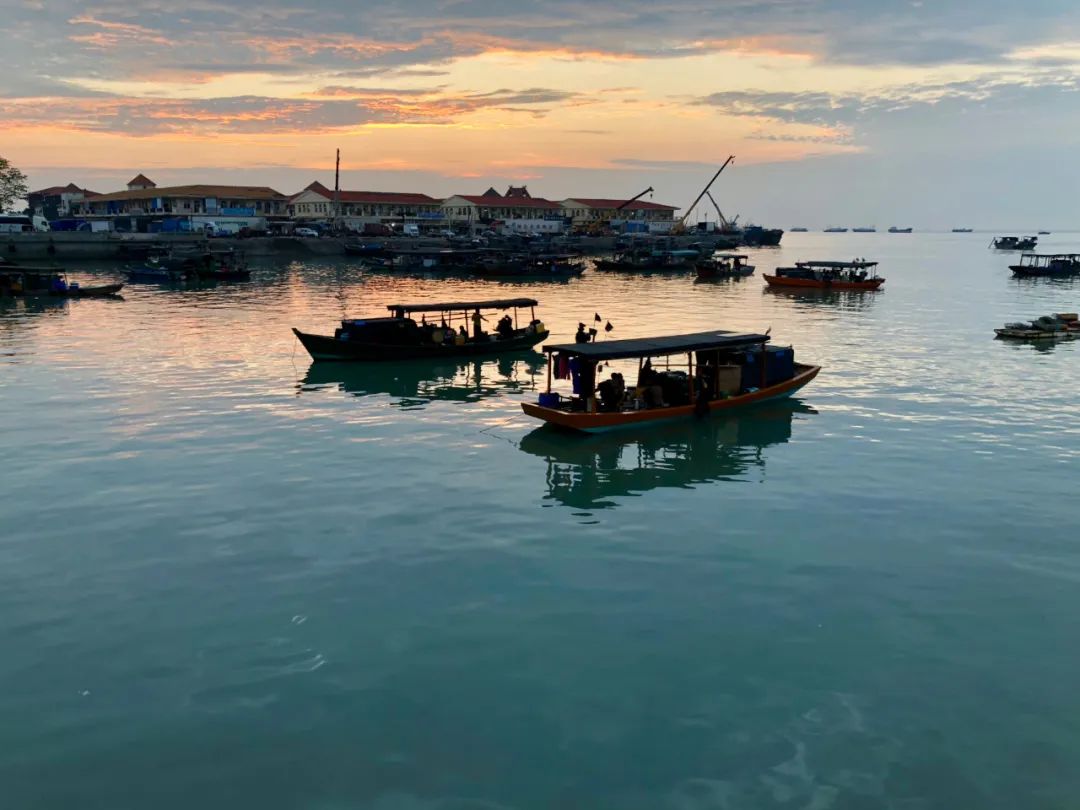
<point x="230" y="579"/>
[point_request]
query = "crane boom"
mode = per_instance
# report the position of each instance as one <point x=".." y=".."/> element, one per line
<point x="634" y="199"/>
<point x="720" y="214"/>
<point x="704" y="191"/>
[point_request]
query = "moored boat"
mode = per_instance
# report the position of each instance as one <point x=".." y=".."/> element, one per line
<point x="758" y="236"/>
<point x="400" y="337"/>
<point x="1061" y="326"/>
<point x="725" y="371"/>
<point x="827" y="275"/>
<point x="75" y="290"/>
<point x="1047" y="265"/>
<point x="529" y="266"/>
<point x="31" y="283"/>
<point x="354" y="248"/>
<point x="725" y="265"/>
<point x="1014" y="242"/>
<point x="649" y="260"/>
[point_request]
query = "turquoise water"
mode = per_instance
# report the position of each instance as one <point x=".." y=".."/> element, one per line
<point x="229" y="579"/>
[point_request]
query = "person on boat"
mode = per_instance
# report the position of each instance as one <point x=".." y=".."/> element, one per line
<point x="57" y="284"/>
<point x="505" y="327"/>
<point x="477" y="325"/>
<point x="612" y="392"/>
<point x="582" y="335"/>
<point x="650" y="382"/>
<point x="463" y="333"/>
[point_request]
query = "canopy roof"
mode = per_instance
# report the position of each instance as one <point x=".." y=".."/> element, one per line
<point x="838" y="265"/>
<point x="658" y="346"/>
<point x="498" y="303"/>
<point x="741" y="256"/>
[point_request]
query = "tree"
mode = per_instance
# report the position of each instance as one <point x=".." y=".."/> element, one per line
<point x="12" y="185"/>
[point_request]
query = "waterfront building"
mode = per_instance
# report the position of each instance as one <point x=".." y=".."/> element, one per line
<point x="359" y="208"/>
<point x="57" y="201"/>
<point x="591" y="212"/>
<point x="514" y="212"/>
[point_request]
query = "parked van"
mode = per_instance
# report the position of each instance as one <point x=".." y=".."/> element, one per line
<point x="411" y="229"/>
<point x="21" y="223"/>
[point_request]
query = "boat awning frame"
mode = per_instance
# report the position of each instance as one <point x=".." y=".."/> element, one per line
<point x="831" y="265"/>
<point x="453" y="306"/>
<point x="657" y="346"/>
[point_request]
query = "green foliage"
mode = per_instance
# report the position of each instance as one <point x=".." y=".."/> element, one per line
<point x="12" y="185"/>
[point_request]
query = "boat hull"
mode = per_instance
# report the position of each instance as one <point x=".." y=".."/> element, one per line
<point x="1037" y="272"/>
<point x="815" y="284"/>
<point x="610" y="265"/>
<point x="704" y="271"/>
<point x="88" y="292"/>
<point x="322" y="347"/>
<point x="1037" y="334"/>
<point x="602" y="421"/>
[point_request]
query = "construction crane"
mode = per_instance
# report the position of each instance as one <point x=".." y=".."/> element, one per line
<point x="724" y="224"/>
<point x="680" y="226"/>
<point x="634" y="199"/>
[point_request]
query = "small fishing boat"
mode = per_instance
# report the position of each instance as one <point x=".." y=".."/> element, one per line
<point x="725" y="371"/>
<point x="400" y="337"/>
<point x="1062" y="326"/>
<point x="647" y="259"/>
<point x="895" y="229"/>
<point x="827" y="275"/>
<point x="75" y="290"/>
<point x="529" y="266"/>
<point x="364" y="248"/>
<point x="224" y="265"/>
<point x="725" y="265"/>
<point x="1014" y="242"/>
<point x="1047" y="265"/>
<point x="31" y="283"/>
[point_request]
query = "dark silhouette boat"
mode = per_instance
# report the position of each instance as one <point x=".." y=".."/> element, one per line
<point x="400" y="337"/>
<point x="1047" y="265"/>
<point x="827" y="275"/>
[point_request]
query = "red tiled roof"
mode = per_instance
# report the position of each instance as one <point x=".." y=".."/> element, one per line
<point x="140" y="180"/>
<point x="70" y="188"/>
<point x="385" y="197"/>
<point x="637" y="205"/>
<point x="195" y="192"/>
<point x="508" y="202"/>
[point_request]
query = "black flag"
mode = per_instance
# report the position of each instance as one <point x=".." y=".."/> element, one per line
<point x="596" y="317"/>
<point x="609" y="327"/>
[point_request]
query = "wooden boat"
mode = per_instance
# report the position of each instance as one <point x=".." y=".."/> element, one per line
<point x="827" y="275"/>
<point x="1047" y="265"/>
<point x="530" y="266"/>
<point x="400" y="337"/>
<point x="725" y="265"/>
<point x="364" y="248"/>
<point x="733" y="370"/>
<point x="647" y="259"/>
<point x="78" y="291"/>
<point x="1061" y="326"/>
<point x="1014" y="242"/>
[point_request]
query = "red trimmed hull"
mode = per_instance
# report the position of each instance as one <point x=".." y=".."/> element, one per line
<point x="814" y="284"/>
<point x="603" y="421"/>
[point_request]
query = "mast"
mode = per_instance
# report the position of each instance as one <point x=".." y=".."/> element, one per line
<point x="337" y="189"/>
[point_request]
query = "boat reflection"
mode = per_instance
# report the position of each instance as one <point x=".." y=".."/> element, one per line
<point x="806" y="298"/>
<point x="590" y="472"/>
<point x="415" y="383"/>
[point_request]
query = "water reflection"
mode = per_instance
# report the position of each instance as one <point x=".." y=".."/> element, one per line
<point x="807" y="298"/>
<point x="589" y="472"/>
<point x="415" y="383"/>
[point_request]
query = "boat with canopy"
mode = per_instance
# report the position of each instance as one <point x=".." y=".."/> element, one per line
<point x="723" y="371"/>
<point x="1056" y="265"/>
<point x="828" y="275"/>
<point x="725" y="265"/>
<point x="456" y="329"/>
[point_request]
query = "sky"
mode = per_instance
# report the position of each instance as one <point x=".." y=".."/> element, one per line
<point x="929" y="113"/>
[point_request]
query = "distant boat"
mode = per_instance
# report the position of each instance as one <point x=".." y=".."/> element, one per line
<point x="1014" y="242"/>
<point x="799" y="230"/>
<point x="961" y="230"/>
<point x="894" y="229"/>
<point x="835" y="229"/>
<point x="1044" y="233"/>
<point x="870" y="229"/>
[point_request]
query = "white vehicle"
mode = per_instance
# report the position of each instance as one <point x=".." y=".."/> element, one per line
<point x="306" y="232"/>
<point x="21" y="223"/>
<point x="410" y="230"/>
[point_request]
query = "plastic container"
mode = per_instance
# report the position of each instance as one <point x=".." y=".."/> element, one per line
<point x="549" y="399"/>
